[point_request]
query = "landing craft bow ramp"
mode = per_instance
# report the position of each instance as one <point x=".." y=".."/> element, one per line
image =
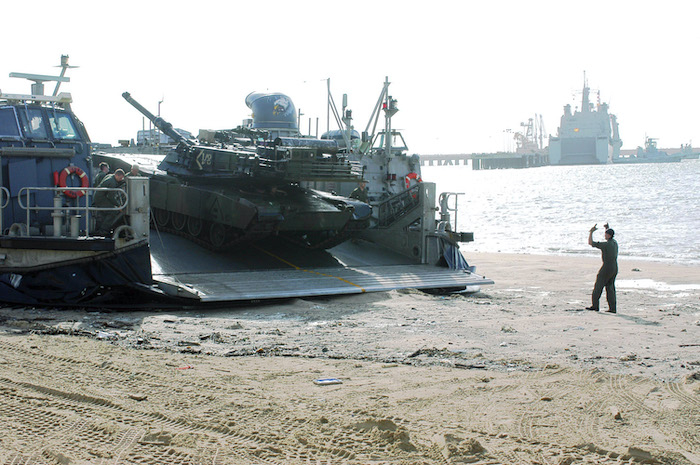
<point x="279" y="270"/>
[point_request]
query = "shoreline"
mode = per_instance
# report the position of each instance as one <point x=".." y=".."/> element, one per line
<point x="660" y="268"/>
<point x="588" y="255"/>
<point x="532" y="317"/>
<point x="516" y="373"/>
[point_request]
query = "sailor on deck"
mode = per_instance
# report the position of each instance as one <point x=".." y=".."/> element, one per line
<point x="360" y="192"/>
<point x="106" y="219"/>
<point x="104" y="171"/>
<point x="134" y="170"/>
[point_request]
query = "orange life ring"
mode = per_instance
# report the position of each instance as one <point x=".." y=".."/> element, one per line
<point x="67" y="171"/>
<point x="410" y="176"/>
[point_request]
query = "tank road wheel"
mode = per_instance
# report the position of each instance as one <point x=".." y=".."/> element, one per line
<point x="194" y="226"/>
<point x="161" y="217"/>
<point x="179" y="221"/>
<point x="217" y="235"/>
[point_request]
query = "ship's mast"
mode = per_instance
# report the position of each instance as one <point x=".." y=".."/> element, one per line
<point x="585" y="103"/>
<point x="390" y="110"/>
<point x="64" y="66"/>
<point x="344" y="121"/>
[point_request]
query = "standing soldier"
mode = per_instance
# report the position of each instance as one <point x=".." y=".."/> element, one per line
<point x="608" y="272"/>
<point x="104" y="171"/>
<point x="106" y="219"/>
<point x="360" y="192"/>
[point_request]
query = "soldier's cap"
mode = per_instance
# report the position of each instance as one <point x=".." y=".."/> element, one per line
<point x="104" y="164"/>
<point x="610" y="231"/>
<point x="119" y="171"/>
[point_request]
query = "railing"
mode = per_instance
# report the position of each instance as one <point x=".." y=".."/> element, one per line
<point x="397" y="206"/>
<point x="58" y="209"/>
<point x="446" y="208"/>
<point x="445" y="225"/>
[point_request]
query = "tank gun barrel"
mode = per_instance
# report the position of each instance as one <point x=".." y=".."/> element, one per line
<point x="165" y="127"/>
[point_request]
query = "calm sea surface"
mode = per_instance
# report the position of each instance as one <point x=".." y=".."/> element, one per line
<point x="654" y="208"/>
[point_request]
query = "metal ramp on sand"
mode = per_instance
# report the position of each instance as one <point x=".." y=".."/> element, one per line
<point x="275" y="284"/>
<point x="276" y="271"/>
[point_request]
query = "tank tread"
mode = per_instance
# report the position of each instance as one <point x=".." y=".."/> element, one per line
<point x="329" y="242"/>
<point x="255" y="232"/>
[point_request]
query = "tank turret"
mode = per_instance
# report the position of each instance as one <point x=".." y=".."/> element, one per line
<point x="280" y="160"/>
<point x="190" y="158"/>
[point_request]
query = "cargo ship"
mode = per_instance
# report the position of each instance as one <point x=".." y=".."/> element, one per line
<point x="589" y="136"/>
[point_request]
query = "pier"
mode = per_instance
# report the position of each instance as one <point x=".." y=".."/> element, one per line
<point x="487" y="161"/>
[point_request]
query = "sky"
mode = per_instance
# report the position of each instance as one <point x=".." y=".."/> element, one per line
<point x="464" y="73"/>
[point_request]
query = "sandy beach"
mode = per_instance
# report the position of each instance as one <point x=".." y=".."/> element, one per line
<point x="518" y="372"/>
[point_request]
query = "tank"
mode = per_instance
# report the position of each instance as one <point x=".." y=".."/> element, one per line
<point x="222" y="193"/>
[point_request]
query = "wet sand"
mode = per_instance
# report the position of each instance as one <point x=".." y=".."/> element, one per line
<point x="516" y="373"/>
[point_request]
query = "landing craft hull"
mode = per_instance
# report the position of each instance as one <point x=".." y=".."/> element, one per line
<point x="190" y="275"/>
<point x="82" y="277"/>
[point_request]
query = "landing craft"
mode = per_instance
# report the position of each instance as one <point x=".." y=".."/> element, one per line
<point x="245" y="221"/>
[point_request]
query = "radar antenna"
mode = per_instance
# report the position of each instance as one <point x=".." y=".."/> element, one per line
<point x="64" y="66"/>
<point x="40" y="79"/>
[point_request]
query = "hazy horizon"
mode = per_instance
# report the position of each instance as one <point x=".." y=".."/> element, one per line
<point x="463" y="73"/>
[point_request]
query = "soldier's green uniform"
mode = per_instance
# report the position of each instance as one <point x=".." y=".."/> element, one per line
<point x="99" y="178"/>
<point x="359" y="194"/>
<point x="606" y="275"/>
<point x="105" y="220"/>
<point x="101" y="174"/>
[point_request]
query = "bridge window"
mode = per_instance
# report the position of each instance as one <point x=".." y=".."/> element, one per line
<point x="8" y="123"/>
<point x="33" y="123"/>
<point x="62" y="126"/>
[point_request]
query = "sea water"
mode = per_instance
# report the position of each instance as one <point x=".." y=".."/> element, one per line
<point x="654" y="208"/>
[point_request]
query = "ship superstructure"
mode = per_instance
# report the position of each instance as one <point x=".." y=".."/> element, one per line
<point x="588" y="136"/>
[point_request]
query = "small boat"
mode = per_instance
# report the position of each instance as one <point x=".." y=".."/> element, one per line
<point x="649" y="154"/>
